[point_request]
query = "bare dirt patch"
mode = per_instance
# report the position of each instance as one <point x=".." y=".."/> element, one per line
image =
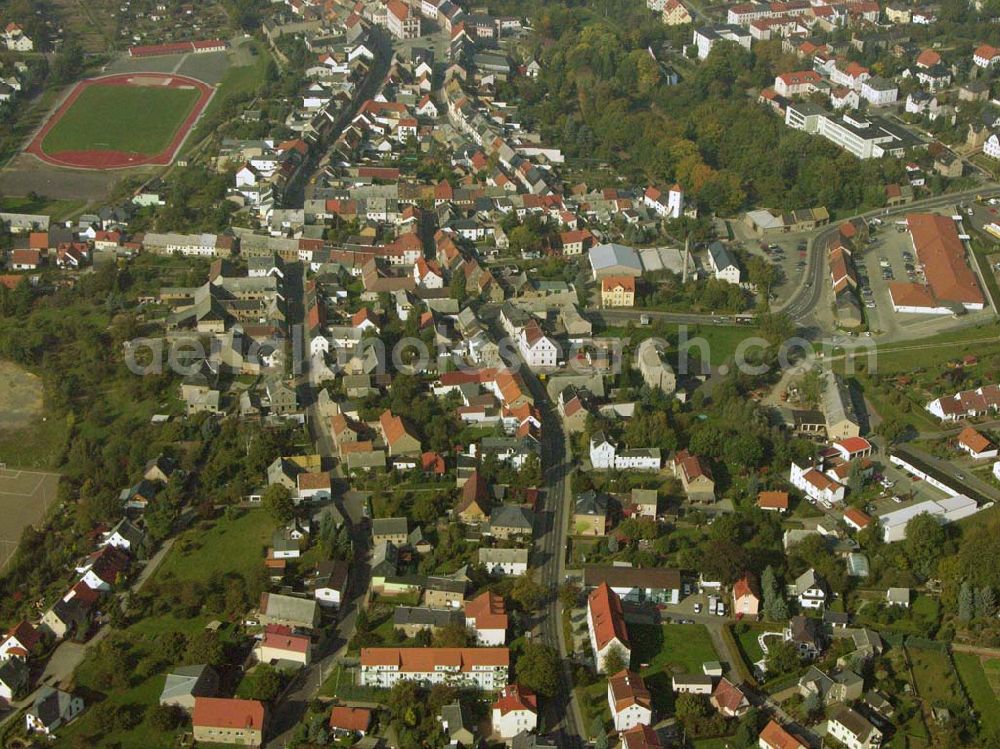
<point x="20" y="397"/>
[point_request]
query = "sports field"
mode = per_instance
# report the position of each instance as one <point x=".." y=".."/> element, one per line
<point x="122" y="120"/>
<point x="137" y="119"/>
<point x="25" y="496"/>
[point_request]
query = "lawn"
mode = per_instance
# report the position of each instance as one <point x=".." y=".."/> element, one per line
<point x="58" y="210"/>
<point x="132" y="119"/>
<point x="972" y="673"/>
<point x="229" y="545"/>
<point x="935" y="678"/>
<point x="660" y="651"/>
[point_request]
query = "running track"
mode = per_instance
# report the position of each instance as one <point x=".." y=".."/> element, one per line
<point x="101" y="159"/>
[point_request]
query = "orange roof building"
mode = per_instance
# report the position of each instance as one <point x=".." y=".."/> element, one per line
<point x="229" y="721"/>
<point x="775" y="737"/>
<point x="606" y="625"/>
<point x="777" y="501"/>
<point x="630" y="701"/>
<point x="487" y="615"/>
<point x="483" y="667"/>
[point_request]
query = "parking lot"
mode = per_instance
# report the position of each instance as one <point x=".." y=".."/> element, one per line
<point x="902" y="485"/>
<point x="889" y="257"/>
<point x="787" y="252"/>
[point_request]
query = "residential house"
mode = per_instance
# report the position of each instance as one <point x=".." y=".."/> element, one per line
<point x="185" y="683"/>
<point x="853" y="730"/>
<point x="723" y="263"/>
<point x="414" y="619"/>
<point x="806" y="634"/>
<point x="282" y="645"/>
<point x="349" y="721"/>
<point x="51" y="709"/>
<point x="590" y="514"/>
<point x="292" y="611"/>
<point x="486" y="615"/>
<point x="655" y="370"/>
<point x="810" y="589"/>
<point x="397" y="438"/>
<point x="842" y="686"/>
<point x="645" y="502"/>
<point x="20" y="641"/>
<point x="816" y="485"/>
<point x="729" y="699"/>
<point x="775" y="737"/>
<point x="393" y="530"/>
<point x="474" y="506"/>
<point x="223" y="720"/>
<point x="485" y="668"/>
<point x="14" y="675"/>
<point x="695" y="475"/>
<point x="617" y="291"/>
<point x="746" y="597"/>
<point x="606" y="625"/>
<point x="641" y="737"/>
<point x="504" y="562"/>
<point x="975" y="444"/>
<point x="630" y="701"/>
<point x="329" y="583"/>
<point x="898" y="597"/>
<point x="514" y="712"/>
<point x="511" y="521"/>
<point x="458" y="729"/>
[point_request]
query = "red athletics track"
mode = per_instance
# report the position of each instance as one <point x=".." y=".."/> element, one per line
<point x="119" y="159"/>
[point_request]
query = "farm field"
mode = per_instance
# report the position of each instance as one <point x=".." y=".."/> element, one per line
<point x="981" y="680"/>
<point x="133" y="119"/>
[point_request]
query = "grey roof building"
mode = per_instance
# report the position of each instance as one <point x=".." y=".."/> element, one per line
<point x="614" y="260"/>
<point x="187" y="682"/>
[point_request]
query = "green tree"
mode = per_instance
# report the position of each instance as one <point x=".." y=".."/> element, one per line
<point x="925" y="538"/>
<point x="986" y="604"/>
<point x="615" y="661"/>
<point x="263" y="683"/>
<point x="277" y="502"/>
<point x="782" y="657"/>
<point x="538" y="669"/>
<point x="527" y="593"/>
<point x="966" y="604"/>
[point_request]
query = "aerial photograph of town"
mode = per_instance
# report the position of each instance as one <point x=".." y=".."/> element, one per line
<point x="500" y="374"/>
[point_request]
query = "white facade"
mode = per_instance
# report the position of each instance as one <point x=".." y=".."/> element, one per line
<point x="705" y="38"/>
<point x="992" y="146"/>
<point x="870" y="739"/>
<point x="602" y="455"/>
<point x="815" y="485"/>
<point x="542" y="352"/>
<point x="629" y="716"/>
<point x="487" y="677"/>
<point x="876" y="93"/>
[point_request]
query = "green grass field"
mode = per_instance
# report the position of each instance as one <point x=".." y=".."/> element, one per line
<point x="133" y="119"/>
<point x="659" y="652"/>
<point x="935" y="678"/>
<point x="972" y="673"/>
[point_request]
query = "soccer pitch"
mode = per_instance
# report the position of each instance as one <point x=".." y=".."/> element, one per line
<point x="131" y="119"/>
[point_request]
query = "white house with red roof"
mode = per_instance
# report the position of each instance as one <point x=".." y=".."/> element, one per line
<point x="856" y="519"/>
<point x="486" y="615"/>
<point x="797" y="83"/>
<point x="536" y="348"/>
<point x="515" y="711"/>
<point x="630" y="701"/>
<point x="976" y="444"/>
<point x="816" y="485"/>
<point x="19" y="641"/>
<point x="669" y="205"/>
<point x="281" y="643"/>
<point x="16" y="40"/>
<point x="427" y="274"/>
<point x="485" y="668"/>
<point x="229" y="721"/>
<point x="775" y="737"/>
<point x="986" y="56"/>
<point x="729" y="699"/>
<point x="606" y="625"/>
<point x="401" y="21"/>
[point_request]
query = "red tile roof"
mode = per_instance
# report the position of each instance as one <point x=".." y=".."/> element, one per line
<point x="974" y="441"/>
<point x="221" y="712"/>
<point x="942" y="253"/>
<point x="627" y="689"/>
<point x="487" y="610"/>
<point x="423" y="660"/>
<point x="355" y="719"/>
<point x="773" y="500"/>
<point x="777" y="737"/>
<point x="641" y="737"/>
<point x="514" y="698"/>
<point x="608" y="616"/>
